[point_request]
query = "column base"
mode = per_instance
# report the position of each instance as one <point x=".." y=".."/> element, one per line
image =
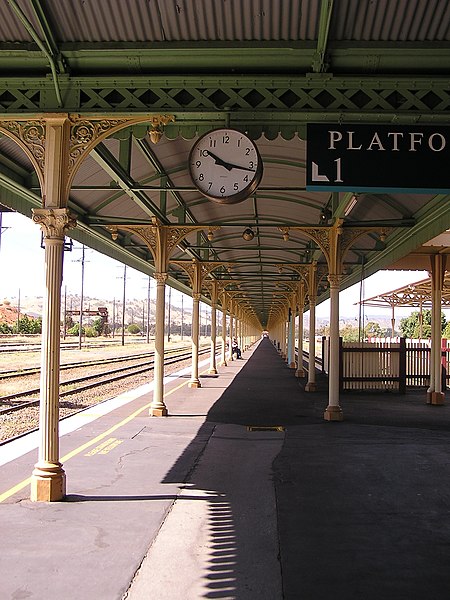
<point x="194" y="383"/>
<point x="310" y="386"/>
<point x="158" y="411"/>
<point x="292" y="365"/>
<point x="333" y="413"/>
<point x="300" y="373"/>
<point x="436" y="398"/>
<point x="212" y="371"/>
<point x="48" y="483"/>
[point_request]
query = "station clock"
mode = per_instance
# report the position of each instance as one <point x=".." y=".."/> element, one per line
<point x="225" y="166"/>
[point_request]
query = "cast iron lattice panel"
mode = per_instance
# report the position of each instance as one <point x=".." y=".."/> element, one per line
<point x="423" y="96"/>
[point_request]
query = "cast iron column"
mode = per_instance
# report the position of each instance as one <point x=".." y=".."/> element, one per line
<point x="48" y="480"/>
<point x="157" y="407"/>
<point x="333" y="411"/>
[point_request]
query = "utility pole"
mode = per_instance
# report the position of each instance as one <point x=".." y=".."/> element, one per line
<point x="81" y="299"/>
<point x="2" y="229"/>
<point x="123" y="308"/>
<point x="168" y="314"/>
<point x="65" y="313"/>
<point x="182" y="315"/>
<point x="18" y="312"/>
<point x="114" y="317"/>
<point x="148" y="308"/>
<point x="80" y="333"/>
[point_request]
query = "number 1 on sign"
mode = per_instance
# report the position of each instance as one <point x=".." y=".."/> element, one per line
<point x="338" y="171"/>
<point x="316" y="176"/>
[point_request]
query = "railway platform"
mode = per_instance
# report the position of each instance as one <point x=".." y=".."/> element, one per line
<point x="243" y="492"/>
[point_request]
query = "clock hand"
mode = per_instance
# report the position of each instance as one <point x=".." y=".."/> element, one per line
<point x="242" y="168"/>
<point x="227" y="165"/>
<point x="219" y="161"/>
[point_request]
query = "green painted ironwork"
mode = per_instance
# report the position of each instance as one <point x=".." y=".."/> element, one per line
<point x="266" y="105"/>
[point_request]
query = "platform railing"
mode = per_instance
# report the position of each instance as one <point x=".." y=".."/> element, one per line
<point x="385" y="364"/>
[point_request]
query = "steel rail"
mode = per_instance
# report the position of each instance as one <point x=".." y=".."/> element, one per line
<point x="75" y="365"/>
<point x="131" y="370"/>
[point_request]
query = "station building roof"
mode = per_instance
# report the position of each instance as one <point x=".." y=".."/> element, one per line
<point x="266" y="68"/>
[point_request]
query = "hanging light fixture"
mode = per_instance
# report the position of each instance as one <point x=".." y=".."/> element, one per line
<point x="325" y="214"/>
<point x="351" y="205"/>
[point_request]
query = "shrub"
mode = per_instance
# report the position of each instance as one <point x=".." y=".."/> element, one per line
<point x="133" y="328"/>
<point x="28" y="325"/>
<point x="75" y="330"/>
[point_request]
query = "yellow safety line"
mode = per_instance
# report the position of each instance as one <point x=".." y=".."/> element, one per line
<point x="73" y="453"/>
<point x="15" y="489"/>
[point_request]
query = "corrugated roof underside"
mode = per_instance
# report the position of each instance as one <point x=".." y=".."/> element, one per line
<point x="391" y="20"/>
<point x="91" y="21"/>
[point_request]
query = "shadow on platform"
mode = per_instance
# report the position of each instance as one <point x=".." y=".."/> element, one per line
<point x="361" y="506"/>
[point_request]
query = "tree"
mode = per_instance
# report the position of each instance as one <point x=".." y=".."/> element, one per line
<point x="98" y="325"/>
<point x="349" y="333"/>
<point x="373" y="329"/>
<point x="446" y="332"/>
<point x="410" y="326"/>
<point x="5" y="328"/>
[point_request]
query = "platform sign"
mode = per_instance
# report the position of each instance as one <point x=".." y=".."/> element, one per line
<point x="378" y="158"/>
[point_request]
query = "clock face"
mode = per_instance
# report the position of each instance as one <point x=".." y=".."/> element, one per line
<point x="225" y="166"/>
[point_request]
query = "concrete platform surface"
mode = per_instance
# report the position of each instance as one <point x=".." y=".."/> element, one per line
<point x="197" y="505"/>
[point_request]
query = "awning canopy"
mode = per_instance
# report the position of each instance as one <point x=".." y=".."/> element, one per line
<point x="264" y="68"/>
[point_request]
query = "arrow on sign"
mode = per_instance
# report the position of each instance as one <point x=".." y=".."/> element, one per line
<point x="315" y="173"/>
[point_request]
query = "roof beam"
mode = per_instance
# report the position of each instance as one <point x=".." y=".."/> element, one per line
<point x="35" y="37"/>
<point x="168" y="186"/>
<point x="242" y="57"/>
<point x="326" y="10"/>
<point x="47" y="32"/>
<point x="110" y="165"/>
<point x="198" y="104"/>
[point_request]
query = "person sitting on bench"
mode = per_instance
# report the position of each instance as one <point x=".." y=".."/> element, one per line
<point x="235" y="348"/>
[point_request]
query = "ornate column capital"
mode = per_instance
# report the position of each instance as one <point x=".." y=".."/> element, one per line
<point x="196" y="296"/>
<point x="334" y="280"/>
<point x="161" y="278"/>
<point x="54" y="222"/>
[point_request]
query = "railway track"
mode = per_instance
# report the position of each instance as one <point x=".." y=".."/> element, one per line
<point x="22" y="415"/>
<point x="30" y="346"/>
<point x="23" y="372"/>
<point x="88" y="382"/>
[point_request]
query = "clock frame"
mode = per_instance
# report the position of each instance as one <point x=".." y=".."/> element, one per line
<point x="225" y="165"/>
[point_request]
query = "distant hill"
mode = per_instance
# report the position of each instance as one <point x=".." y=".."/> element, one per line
<point x="8" y="313"/>
<point x="135" y="310"/>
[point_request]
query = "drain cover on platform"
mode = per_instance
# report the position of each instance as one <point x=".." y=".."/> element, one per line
<point x="265" y="428"/>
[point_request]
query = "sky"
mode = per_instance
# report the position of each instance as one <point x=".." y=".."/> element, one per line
<point x="22" y="268"/>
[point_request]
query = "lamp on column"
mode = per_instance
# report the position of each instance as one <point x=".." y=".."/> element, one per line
<point x="248" y="234"/>
<point x="157" y="126"/>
